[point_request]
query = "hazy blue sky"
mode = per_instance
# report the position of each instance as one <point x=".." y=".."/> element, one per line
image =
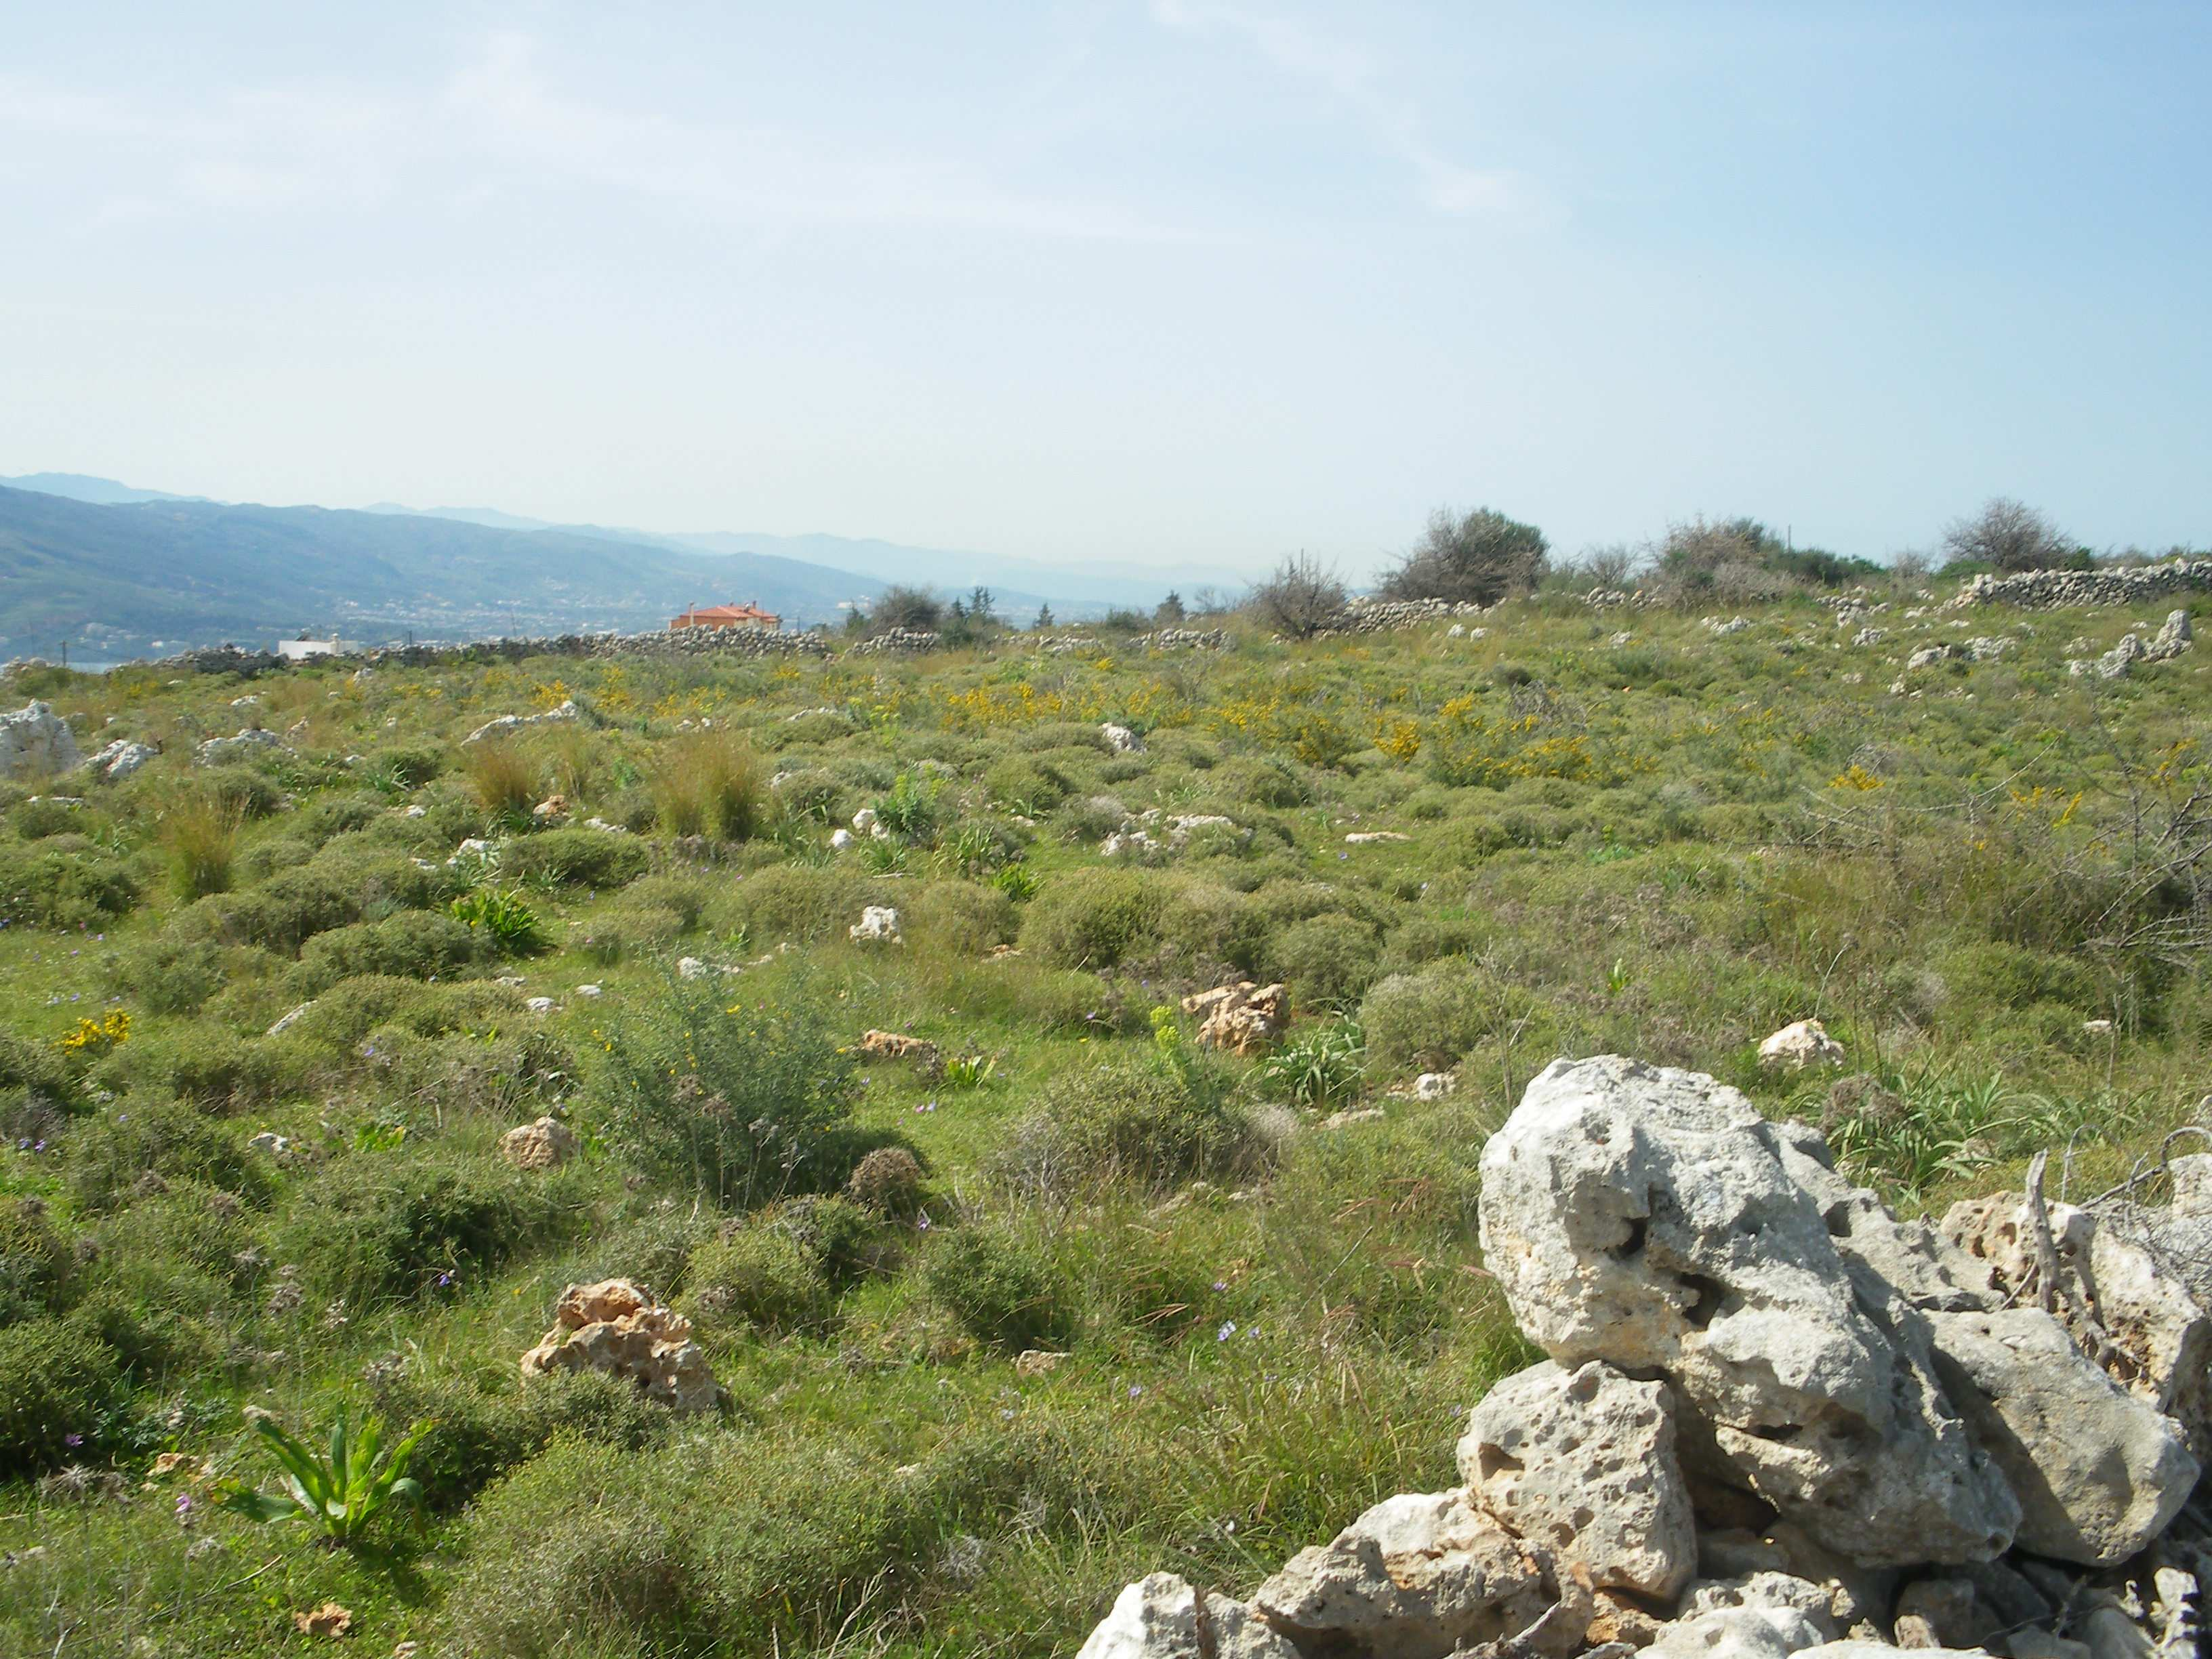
<point x="1150" y="279"/>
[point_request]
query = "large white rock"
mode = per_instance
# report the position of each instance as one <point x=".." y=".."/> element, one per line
<point x="1121" y="739"/>
<point x="1643" y="1216"/>
<point x="1582" y="1464"/>
<point x="1164" y="1617"/>
<point x="1415" y="1578"/>
<point x="1802" y="1043"/>
<point x="878" y="924"/>
<point x="35" y="742"/>
<point x="2098" y="1472"/>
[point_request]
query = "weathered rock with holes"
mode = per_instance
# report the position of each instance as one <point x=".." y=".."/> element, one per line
<point x="897" y="1045"/>
<point x="1645" y="1216"/>
<point x="1243" y="1018"/>
<point x="2123" y="1306"/>
<point x="1415" y="1578"/>
<point x="1165" y="1617"/>
<point x="617" y="1327"/>
<point x="1581" y="1463"/>
<point x="546" y="1144"/>
<point x="878" y="924"/>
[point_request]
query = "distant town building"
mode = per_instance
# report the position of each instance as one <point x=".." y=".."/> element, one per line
<point x="748" y="615"/>
<point x="300" y="649"/>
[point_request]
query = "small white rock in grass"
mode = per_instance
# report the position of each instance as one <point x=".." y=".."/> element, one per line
<point x="864" y="820"/>
<point x="1804" y="1043"/>
<point x="878" y="924"/>
<point x="690" y="967"/>
<point x="1433" y="1086"/>
<point x="272" y="1143"/>
<point x="588" y="991"/>
<point x="539" y="1005"/>
<point x="1121" y="739"/>
<point x="1369" y="837"/>
<point x="840" y="840"/>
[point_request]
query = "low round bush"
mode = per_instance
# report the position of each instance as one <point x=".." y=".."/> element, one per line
<point x="479" y="1432"/>
<point x="51" y="884"/>
<point x="1093" y="918"/>
<point x="1130" y="1120"/>
<point x="759" y="1274"/>
<point x="888" y="1180"/>
<point x="56" y="1380"/>
<point x="574" y="858"/>
<point x="1000" y="1291"/>
<point x="1329" y="961"/>
<point x="959" y="918"/>
<point x="369" y="1229"/>
<point x="412" y="946"/>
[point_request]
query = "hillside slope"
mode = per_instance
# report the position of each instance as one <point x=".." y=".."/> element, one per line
<point x="114" y="579"/>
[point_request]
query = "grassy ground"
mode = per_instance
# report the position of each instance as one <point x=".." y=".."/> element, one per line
<point x="1666" y="847"/>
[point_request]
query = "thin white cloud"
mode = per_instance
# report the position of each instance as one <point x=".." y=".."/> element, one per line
<point x="1351" y="79"/>
<point x="499" y="121"/>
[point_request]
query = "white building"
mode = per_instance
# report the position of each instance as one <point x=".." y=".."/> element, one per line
<point x="300" y="650"/>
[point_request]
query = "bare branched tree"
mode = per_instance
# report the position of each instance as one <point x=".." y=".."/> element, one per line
<point x="1301" y="599"/>
<point x="2007" y="535"/>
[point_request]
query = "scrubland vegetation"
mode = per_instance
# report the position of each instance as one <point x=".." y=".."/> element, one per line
<point x="1621" y="831"/>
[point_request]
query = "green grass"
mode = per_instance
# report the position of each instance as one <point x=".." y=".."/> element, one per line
<point x="1667" y="848"/>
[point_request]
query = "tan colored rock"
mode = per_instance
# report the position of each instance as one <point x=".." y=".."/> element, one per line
<point x="1038" y="1362"/>
<point x="618" y="1328"/>
<point x="1242" y="1018"/>
<point x="545" y="1145"/>
<point x="1581" y="1463"/>
<point x="896" y="1045"/>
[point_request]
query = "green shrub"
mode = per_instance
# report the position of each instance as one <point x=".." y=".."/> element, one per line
<point x="1321" y="1067"/>
<point x="409" y="766"/>
<point x="368" y="1229"/>
<point x="113" y="1153"/>
<point x="204" y="1064"/>
<point x="1213" y="928"/>
<point x="1329" y="961"/>
<point x="687" y="896"/>
<point x="791" y="902"/>
<point x="504" y="781"/>
<point x="1980" y="977"/>
<point x="35" y="1261"/>
<point x="243" y="791"/>
<point x="1130" y="1120"/>
<point x="744" y="1100"/>
<point x="36" y="1086"/>
<point x="333" y="816"/>
<point x="814" y="794"/>
<point x="1025" y="784"/>
<point x="574" y="858"/>
<point x="55" y="1380"/>
<point x="173" y="975"/>
<point x="999" y="1290"/>
<point x="758" y="1274"/>
<point x="410" y="946"/>
<point x="888" y="1180"/>
<point x="480" y="1430"/>
<point x="1093" y="918"/>
<point x="960" y="918"/>
<point x="58" y="883"/>
<point x="344" y="883"/>
<point x="629" y="931"/>
<point x="1436" y="1015"/>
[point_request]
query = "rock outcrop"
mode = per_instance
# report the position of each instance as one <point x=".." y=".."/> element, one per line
<point x="1243" y="1018"/>
<point x="617" y="1327"/>
<point x="545" y="1145"/>
<point x="1858" y="1430"/>
<point x="36" y="742"/>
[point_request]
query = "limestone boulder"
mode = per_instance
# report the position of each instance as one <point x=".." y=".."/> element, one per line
<point x="545" y="1145"/>
<point x="1581" y="1463"/>
<point x="1165" y="1617"/>
<point x="249" y="741"/>
<point x="35" y="742"/>
<point x="1415" y="1578"/>
<point x="1798" y="1046"/>
<point x="119" y="760"/>
<point x="617" y="1327"/>
<point x="878" y="924"/>
<point x="1121" y="739"/>
<point x="2099" y="1472"/>
<point x="1645" y="1216"/>
<point x="1243" y="1018"/>
<point x="2123" y="1304"/>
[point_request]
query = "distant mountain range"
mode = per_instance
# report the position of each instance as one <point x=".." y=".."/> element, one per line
<point x="111" y="571"/>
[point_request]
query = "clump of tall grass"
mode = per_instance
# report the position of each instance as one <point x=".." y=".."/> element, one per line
<point x="711" y="783"/>
<point x="574" y="758"/>
<point x="504" y="783"/>
<point x="200" y="834"/>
